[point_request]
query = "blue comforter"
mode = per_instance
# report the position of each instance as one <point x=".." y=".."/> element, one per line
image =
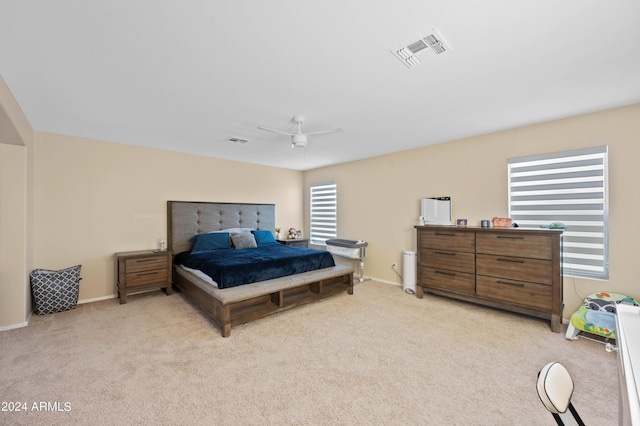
<point x="230" y="267"/>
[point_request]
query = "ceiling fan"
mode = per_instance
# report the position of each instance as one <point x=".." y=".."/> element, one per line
<point x="299" y="139"/>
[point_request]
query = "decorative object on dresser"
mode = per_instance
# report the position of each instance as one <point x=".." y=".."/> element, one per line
<point x="247" y="300"/>
<point x="435" y="211"/>
<point x="514" y="269"/>
<point x="144" y="270"/>
<point x="297" y="242"/>
<point x="502" y="222"/>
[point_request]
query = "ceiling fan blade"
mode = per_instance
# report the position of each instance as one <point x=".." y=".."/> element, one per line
<point x="275" y="131"/>
<point x="324" y="131"/>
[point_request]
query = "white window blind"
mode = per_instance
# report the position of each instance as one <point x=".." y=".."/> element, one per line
<point x="324" y="203"/>
<point x="568" y="187"/>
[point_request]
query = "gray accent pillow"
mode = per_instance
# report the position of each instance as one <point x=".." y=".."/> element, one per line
<point x="243" y="240"/>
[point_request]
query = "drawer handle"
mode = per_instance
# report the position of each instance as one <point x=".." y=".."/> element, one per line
<point x="153" y="259"/>
<point x="511" y="284"/>
<point x="510" y="260"/>
<point x="508" y="237"/>
<point x="445" y="253"/>
<point x="445" y="234"/>
<point x="148" y="273"/>
<point x="446" y="273"/>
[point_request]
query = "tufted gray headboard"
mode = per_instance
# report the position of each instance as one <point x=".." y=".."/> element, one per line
<point x="188" y="218"/>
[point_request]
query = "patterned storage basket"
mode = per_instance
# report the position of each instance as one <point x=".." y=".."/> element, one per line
<point x="55" y="291"/>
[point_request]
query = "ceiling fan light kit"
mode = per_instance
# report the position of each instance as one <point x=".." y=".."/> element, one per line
<point x="299" y="139"/>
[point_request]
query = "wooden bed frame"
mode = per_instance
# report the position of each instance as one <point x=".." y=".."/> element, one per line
<point x="238" y="305"/>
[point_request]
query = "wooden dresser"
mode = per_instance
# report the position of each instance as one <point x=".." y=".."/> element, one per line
<point x="514" y="269"/>
<point x="138" y="271"/>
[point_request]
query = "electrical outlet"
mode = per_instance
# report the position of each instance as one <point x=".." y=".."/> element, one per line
<point x="394" y="266"/>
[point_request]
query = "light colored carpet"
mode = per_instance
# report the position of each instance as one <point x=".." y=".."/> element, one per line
<point x="379" y="357"/>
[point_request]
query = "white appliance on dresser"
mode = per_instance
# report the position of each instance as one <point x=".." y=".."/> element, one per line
<point x="628" y="333"/>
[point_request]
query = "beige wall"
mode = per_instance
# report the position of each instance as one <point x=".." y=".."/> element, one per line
<point x="93" y="198"/>
<point x="16" y="136"/>
<point x="14" y="297"/>
<point x="378" y="198"/>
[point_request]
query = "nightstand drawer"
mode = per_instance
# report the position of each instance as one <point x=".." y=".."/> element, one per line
<point x="145" y="263"/>
<point x="146" y="277"/>
<point x="295" y="242"/>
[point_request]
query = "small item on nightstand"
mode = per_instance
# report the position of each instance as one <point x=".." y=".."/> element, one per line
<point x="485" y="223"/>
<point x="161" y="247"/>
<point x="293" y="234"/>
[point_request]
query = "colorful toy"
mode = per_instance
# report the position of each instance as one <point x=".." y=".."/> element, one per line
<point x="597" y="315"/>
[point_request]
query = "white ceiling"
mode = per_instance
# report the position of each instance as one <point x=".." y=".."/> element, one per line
<point x="184" y="75"/>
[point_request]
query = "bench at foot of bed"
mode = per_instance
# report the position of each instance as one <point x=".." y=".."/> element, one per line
<point x="238" y="305"/>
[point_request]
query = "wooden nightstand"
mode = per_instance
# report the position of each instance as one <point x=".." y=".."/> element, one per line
<point x="298" y="242"/>
<point x="144" y="270"/>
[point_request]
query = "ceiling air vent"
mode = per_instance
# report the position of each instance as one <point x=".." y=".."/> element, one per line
<point x="237" y="141"/>
<point x="432" y="43"/>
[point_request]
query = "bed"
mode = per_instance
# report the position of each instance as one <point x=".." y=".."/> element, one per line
<point x="264" y="289"/>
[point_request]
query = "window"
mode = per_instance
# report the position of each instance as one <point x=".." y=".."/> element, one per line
<point x="568" y="187"/>
<point x="323" y="210"/>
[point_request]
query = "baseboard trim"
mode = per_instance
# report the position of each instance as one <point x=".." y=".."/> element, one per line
<point x="97" y="299"/>
<point x="385" y="282"/>
<point x="14" y="326"/>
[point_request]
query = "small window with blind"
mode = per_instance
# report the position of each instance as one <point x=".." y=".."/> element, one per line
<point x="323" y="214"/>
<point x="571" y="188"/>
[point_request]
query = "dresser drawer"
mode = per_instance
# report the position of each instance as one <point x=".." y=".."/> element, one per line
<point x="520" y="243"/>
<point x="449" y="260"/>
<point x="460" y="282"/>
<point x="446" y="239"/>
<point x="515" y="268"/>
<point x="521" y="293"/>
<point x="147" y="277"/>
<point x="146" y="263"/>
